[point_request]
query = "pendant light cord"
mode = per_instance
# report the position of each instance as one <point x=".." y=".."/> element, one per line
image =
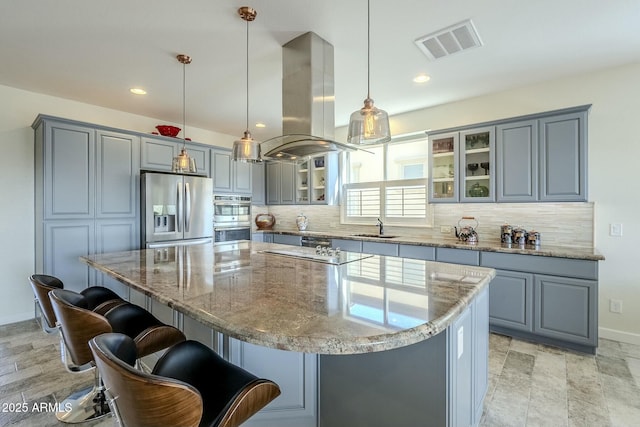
<point x="247" y="115"/>
<point x="184" y="105"/>
<point x="368" y="49"/>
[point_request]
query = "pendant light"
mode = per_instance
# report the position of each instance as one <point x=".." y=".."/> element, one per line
<point x="369" y="125"/>
<point x="182" y="163"/>
<point x="247" y="149"/>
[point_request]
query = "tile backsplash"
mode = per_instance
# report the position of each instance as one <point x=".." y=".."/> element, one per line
<point x="563" y="224"/>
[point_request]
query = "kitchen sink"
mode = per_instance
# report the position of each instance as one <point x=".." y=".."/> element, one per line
<point x="377" y="236"/>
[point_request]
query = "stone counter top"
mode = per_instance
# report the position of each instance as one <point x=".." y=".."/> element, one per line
<point x="591" y="254"/>
<point x="368" y="303"/>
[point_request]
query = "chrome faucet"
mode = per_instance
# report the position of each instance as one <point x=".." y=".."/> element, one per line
<point x="380" y="226"/>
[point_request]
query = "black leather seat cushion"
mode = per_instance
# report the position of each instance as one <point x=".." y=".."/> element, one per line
<point x="131" y="320"/>
<point x="49" y="281"/>
<point x="96" y="295"/>
<point x="217" y="380"/>
<point x="122" y="347"/>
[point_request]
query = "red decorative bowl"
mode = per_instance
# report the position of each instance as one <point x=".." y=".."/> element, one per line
<point x="166" y="130"/>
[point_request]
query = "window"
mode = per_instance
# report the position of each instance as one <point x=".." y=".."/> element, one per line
<point x="388" y="182"/>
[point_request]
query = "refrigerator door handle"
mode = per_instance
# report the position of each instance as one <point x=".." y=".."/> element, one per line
<point x="179" y="217"/>
<point x="187" y="208"/>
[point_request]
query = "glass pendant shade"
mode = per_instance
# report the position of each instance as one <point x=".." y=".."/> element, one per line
<point x="182" y="163"/>
<point x="246" y="149"/>
<point x="369" y="125"/>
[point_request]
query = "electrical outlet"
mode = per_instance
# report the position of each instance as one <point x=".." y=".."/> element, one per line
<point x="615" y="306"/>
<point x="615" y="230"/>
<point x="445" y="229"/>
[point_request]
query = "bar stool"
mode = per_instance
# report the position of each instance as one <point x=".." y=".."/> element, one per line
<point x="99" y="299"/>
<point x="189" y="386"/>
<point x="78" y="325"/>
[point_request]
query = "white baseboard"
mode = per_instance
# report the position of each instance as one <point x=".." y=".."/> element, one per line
<point x="18" y="317"/>
<point x="621" y="336"/>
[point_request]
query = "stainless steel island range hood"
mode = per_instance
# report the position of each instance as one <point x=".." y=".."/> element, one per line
<point x="307" y="102"/>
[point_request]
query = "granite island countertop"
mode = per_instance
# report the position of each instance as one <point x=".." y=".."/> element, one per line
<point x="590" y="254"/>
<point x="361" y="303"/>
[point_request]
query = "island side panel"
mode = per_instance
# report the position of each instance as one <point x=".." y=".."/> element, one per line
<point x="403" y="387"/>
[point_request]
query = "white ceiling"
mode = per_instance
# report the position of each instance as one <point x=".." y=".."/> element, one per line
<point x="94" y="51"/>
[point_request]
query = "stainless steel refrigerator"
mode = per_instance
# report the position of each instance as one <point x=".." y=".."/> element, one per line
<point x="176" y="210"/>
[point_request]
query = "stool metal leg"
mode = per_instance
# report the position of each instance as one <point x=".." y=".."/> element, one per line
<point x="84" y="405"/>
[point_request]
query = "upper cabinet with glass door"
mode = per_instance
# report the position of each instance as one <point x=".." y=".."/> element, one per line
<point x="302" y="182"/>
<point x="477" y="148"/>
<point x="443" y="165"/>
<point x="316" y="179"/>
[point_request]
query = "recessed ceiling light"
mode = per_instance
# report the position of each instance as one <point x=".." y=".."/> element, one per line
<point x="138" y="91"/>
<point x="260" y="125"/>
<point x="421" y="78"/>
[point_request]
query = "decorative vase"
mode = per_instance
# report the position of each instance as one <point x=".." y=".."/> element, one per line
<point x="302" y="222"/>
<point x="265" y="221"/>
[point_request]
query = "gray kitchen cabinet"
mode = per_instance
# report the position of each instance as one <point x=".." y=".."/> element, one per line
<point x="533" y="158"/>
<point x="462" y="378"/>
<point x="511" y="300"/>
<point x="517" y="161"/>
<point x="468" y="359"/>
<point x="427" y="253"/>
<point x="117" y="167"/>
<point x="287" y="239"/>
<point x="378" y="248"/>
<point x="115" y="235"/>
<point x="477" y="165"/>
<point x="258" y="189"/>
<point x="202" y="333"/>
<point x="444" y="161"/>
<point x="545" y="299"/>
<point x="566" y="309"/>
<point x="563" y="157"/>
<point x="65" y="168"/>
<point x="316" y="180"/>
<point x="230" y="176"/>
<point x="294" y="372"/>
<point x="458" y="256"/>
<point x="280" y="183"/>
<point x="480" y="365"/>
<point x="267" y="237"/>
<point x="58" y="246"/>
<point x="157" y="153"/>
<point x="462" y="165"/>
<point x="86" y="192"/>
<point x="347" y="245"/>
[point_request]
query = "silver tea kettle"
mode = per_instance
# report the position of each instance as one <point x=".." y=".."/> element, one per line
<point x="467" y="233"/>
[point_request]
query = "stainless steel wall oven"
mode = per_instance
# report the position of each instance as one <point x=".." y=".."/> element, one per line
<point x="231" y="217"/>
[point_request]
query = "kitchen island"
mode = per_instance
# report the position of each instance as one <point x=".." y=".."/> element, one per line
<point x="354" y="339"/>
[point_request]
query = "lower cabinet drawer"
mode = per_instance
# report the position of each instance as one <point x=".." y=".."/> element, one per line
<point x="347" y="245"/>
<point x="458" y="256"/>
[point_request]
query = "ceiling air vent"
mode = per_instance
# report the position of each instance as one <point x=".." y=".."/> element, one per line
<point x="456" y="38"/>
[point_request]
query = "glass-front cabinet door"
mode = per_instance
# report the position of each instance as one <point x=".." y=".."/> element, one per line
<point x="302" y="182"/>
<point x="477" y="171"/>
<point x="310" y="180"/>
<point x="443" y="165"/>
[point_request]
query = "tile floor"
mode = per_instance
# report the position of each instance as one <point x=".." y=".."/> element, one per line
<point x="529" y="384"/>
